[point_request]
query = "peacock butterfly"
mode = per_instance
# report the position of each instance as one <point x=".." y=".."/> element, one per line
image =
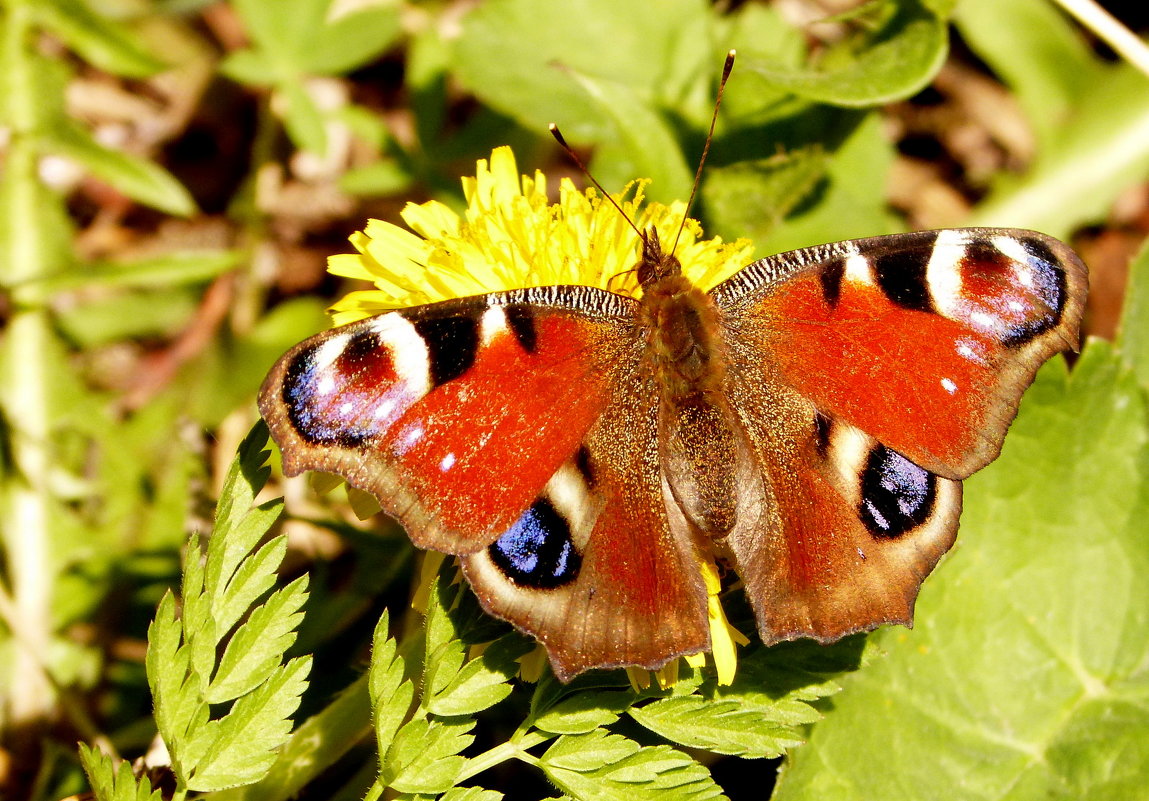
<point x="806" y="421"/>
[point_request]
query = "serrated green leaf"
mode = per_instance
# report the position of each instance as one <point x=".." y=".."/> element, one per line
<point x="254" y="576"/>
<point x="583" y="712"/>
<point x="390" y="693"/>
<point x="1025" y="667"/>
<point x="244" y="741"/>
<point x="424" y="755"/>
<point x="594" y="766"/>
<point x="483" y="681"/>
<point x="587" y="752"/>
<point x="137" y="178"/>
<point x="114" y="781"/>
<point x="470" y="794"/>
<point x="724" y="727"/>
<point x="256" y="649"/>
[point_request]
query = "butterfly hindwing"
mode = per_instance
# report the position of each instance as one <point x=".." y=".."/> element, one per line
<point x="602" y="568"/>
<point x="925" y="341"/>
<point x="456" y="414"/>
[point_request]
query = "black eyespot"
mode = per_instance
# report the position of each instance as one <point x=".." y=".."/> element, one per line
<point x="537" y="551"/>
<point x="897" y="495"/>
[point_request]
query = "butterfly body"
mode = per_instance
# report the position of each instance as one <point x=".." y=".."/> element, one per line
<point x="807" y="422"/>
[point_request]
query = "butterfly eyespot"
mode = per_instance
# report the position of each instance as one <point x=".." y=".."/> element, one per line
<point x="897" y="495"/>
<point x="314" y="395"/>
<point x="537" y="551"/>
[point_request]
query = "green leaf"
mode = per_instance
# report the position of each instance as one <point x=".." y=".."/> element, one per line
<point x="256" y="649"/>
<point x="244" y="742"/>
<point x="642" y="145"/>
<point x="470" y="794"/>
<point x="1035" y="49"/>
<point x="1101" y="149"/>
<point x="391" y="694"/>
<point x="351" y="40"/>
<point x="583" y="712"/>
<point x="424" y="758"/>
<point x="239" y="747"/>
<point x="96" y="38"/>
<point x="483" y="681"/>
<point x="251" y="67"/>
<point x="282" y="27"/>
<point x="608" y="766"/>
<point x="724" y="727"/>
<point x="302" y="117"/>
<point x="114" y="780"/>
<point x="892" y="63"/>
<point x="1133" y="339"/>
<point x="663" y="57"/>
<point x="137" y="178"/>
<point x="1024" y="675"/>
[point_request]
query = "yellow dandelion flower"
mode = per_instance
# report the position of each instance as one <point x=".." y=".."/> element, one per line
<point x="511" y="236"/>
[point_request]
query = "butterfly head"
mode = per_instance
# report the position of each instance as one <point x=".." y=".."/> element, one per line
<point x="655" y="263"/>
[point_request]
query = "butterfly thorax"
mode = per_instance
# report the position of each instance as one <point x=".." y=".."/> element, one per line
<point x="698" y="437"/>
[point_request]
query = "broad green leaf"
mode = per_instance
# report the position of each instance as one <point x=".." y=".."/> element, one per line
<point x="245" y="740"/>
<point x="892" y="63"/>
<point x="1024" y="676"/>
<point x="350" y="41"/>
<point x="1102" y="149"/>
<point x="483" y="681"/>
<point x="114" y="781"/>
<point x="96" y="38"/>
<point x="282" y="28"/>
<point x="660" y="55"/>
<point x="643" y="144"/>
<point x="256" y="649"/>
<point x="608" y="766"/>
<point x="1133" y="340"/>
<point x="137" y="178"/>
<point x="1037" y="51"/>
<point x="251" y="67"/>
<point x="424" y="757"/>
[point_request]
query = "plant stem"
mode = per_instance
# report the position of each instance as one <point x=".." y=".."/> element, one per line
<point x="1110" y="30"/>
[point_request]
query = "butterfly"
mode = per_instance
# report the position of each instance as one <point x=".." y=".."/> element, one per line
<point x="806" y="422"/>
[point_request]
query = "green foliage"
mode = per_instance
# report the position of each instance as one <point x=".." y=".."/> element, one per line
<point x="209" y="751"/>
<point x="128" y="332"/>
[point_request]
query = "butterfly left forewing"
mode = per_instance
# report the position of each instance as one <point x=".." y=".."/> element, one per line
<point x="455" y="414"/>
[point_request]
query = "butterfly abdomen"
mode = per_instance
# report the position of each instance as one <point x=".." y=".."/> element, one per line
<point x="699" y="438"/>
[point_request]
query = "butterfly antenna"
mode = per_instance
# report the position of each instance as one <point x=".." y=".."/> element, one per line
<point x="726" y="68"/>
<point x="557" y="134"/>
